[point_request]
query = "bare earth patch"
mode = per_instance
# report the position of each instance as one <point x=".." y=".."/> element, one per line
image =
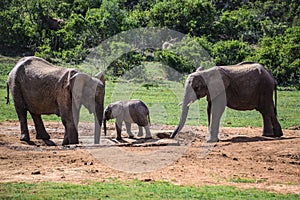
<point x="242" y="158"/>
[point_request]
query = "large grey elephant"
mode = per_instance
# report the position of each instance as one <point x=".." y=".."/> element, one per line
<point x="42" y="88"/>
<point x="129" y="111"/>
<point x="244" y="86"/>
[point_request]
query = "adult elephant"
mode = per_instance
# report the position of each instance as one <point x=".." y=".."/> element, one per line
<point x="42" y="88"/>
<point x="244" y="86"/>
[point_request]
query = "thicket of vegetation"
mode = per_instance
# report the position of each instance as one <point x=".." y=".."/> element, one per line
<point x="265" y="31"/>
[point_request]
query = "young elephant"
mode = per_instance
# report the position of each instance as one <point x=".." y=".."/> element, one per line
<point x="130" y="111"/>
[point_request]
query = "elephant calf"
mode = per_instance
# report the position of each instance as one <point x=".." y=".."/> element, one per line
<point x="130" y="111"/>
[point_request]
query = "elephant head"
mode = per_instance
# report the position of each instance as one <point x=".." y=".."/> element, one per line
<point x="89" y="91"/>
<point x="111" y="112"/>
<point x="200" y="84"/>
<point x="195" y="88"/>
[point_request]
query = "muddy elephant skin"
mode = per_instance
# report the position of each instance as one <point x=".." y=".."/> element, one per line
<point x="41" y="88"/>
<point x="245" y="86"/>
<point x="129" y="111"/>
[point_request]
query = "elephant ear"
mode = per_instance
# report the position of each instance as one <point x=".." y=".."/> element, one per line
<point x="65" y="79"/>
<point x="199" y="69"/>
<point x="116" y="109"/>
<point x="100" y="76"/>
<point x="216" y="82"/>
<point x="78" y="82"/>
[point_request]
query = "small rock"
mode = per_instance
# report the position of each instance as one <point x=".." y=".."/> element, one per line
<point x="235" y="159"/>
<point x="224" y="155"/>
<point x="270" y="168"/>
<point x="91" y="163"/>
<point x="35" y="172"/>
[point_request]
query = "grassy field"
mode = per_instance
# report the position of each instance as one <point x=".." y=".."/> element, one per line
<point x="114" y="189"/>
<point x="164" y="108"/>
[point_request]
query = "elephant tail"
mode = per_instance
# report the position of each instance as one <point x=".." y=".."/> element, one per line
<point x="275" y="99"/>
<point x="7" y="97"/>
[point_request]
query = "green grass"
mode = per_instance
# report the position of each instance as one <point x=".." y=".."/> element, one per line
<point x="114" y="189"/>
<point x="162" y="98"/>
<point x="245" y="180"/>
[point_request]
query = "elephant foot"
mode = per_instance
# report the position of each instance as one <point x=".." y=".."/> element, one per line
<point x="65" y="143"/>
<point x="131" y="136"/>
<point x="278" y="132"/>
<point x="212" y="140"/>
<point x="74" y="142"/>
<point x="268" y="134"/>
<point x="25" y="137"/>
<point x="148" y="138"/>
<point x="212" y="137"/>
<point x="43" y="136"/>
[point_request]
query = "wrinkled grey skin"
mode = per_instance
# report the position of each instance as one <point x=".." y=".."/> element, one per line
<point x="129" y="111"/>
<point x="42" y="88"/>
<point x="244" y="86"/>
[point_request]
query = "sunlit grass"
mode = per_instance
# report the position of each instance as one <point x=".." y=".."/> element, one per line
<point x="114" y="189"/>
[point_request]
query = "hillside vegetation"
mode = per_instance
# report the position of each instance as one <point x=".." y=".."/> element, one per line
<point x="264" y="31"/>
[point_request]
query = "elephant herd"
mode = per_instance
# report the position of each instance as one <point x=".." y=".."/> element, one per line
<point x="40" y="88"/>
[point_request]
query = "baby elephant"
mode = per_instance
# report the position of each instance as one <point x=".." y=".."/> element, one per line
<point x="130" y="111"/>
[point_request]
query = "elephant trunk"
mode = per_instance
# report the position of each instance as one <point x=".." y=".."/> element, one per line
<point x="184" y="113"/>
<point x="104" y="126"/>
<point x="98" y="122"/>
<point x="189" y="97"/>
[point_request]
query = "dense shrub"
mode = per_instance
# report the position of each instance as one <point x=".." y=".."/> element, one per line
<point x="230" y="52"/>
<point x="280" y="54"/>
<point x="230" y="31"/>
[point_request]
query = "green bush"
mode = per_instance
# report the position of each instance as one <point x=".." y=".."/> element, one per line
<point x="230" y="52"/>
<point x="280" y="54"/>
<point x="263" y="31"/>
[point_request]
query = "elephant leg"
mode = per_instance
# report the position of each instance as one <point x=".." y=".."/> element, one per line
<point x="22" y="116"/>
<point x="208" y="110"/>
<point x="267" y="126"/>
<point x="39" y="127"/>
<point x="140" y="134"/>
<point x="148" y="133"/>
<point x="217" y="109"/>
<point x="277" y="131"/>
<point x="276" y="127"/>
<point x="128" y="129"/>
<point x="24" y="126"/>
<point x="271" y="127"/>
<point x="119" y="128"/>
<point x="266" y="109"/>
<point x="71" y="133"/>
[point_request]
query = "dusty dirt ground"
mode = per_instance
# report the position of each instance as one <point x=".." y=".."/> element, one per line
<point x="242" y="158"/>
